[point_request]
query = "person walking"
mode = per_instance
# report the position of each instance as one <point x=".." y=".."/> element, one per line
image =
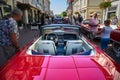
<point x="9" y="35"/>
<point x="105" y="34"/>
<point x="74" y="20"/>
<point x="94" y="22"/>
<point x="115" y="20"/>
<point x="79" y="19"/>
<point x="93" y="25"/>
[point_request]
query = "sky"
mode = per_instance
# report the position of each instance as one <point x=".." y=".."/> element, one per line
<point x="58" y="6"/>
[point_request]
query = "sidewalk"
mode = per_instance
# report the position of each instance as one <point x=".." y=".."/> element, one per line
<point x="25" y="36"/>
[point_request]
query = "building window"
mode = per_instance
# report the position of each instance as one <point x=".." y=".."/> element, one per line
<point x="112" y="8"/>
<point x="0" y="13"/>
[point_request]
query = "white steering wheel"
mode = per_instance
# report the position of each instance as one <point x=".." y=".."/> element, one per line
<point x="54" y="37"/>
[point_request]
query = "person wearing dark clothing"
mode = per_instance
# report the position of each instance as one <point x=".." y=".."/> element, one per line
<point x="115" y="20"/>
<point x="80" y="19"/>
<point x="74" y="19"/>
<point x="9" y="35"/>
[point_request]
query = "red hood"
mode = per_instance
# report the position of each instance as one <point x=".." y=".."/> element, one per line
<point x="52" y="68"/>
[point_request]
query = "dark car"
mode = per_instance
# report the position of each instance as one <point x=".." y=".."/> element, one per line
<point x="116" y="41"/>
<point x="58" y="21"/>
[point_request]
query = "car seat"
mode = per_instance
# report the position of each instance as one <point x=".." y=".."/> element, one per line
<point x="46" y="47"/>
<point x="74" y="46"/>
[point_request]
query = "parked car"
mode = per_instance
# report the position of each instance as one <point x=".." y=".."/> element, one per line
<point x="85" y="28"/>
<point x="116" y="41"/>
<point x="58" y="21"/>
<point x="60" y="53"/>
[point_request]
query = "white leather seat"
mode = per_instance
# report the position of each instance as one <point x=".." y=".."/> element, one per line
<point x="46" y="47"/>
<point x="74" y="46"/>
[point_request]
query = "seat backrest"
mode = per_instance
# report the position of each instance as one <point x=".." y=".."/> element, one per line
<point x="74" y="46"/>
<point x="46" y="47"/>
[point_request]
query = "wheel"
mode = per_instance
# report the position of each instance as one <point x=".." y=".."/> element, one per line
<point x="88" y="36"/>
<point x="116" y="48"/>
<point x="91" y="36"/>
<point x="52" y="36"/>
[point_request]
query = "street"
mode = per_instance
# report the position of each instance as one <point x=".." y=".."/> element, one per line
<point x="26" y="35"/>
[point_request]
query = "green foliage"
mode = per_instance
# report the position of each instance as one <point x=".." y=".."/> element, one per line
<point x="76" y="13"/>
<point x="64" y="14"/>
<point x="112" y="15"/>
<point x="101" y="5"/>
<point x="105" y="5"/>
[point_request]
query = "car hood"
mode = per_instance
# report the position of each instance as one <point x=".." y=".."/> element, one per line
<point x="52" y="68"/>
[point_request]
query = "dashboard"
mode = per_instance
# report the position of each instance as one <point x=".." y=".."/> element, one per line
<point x="60" y="36"/>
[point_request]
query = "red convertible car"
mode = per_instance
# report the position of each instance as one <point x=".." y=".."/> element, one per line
<point x="116" y="41"/>
<point x="85" y="28"/>
<point x="60" y="53"/>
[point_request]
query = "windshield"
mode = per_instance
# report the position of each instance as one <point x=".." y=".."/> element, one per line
<point x="72" y="29"/>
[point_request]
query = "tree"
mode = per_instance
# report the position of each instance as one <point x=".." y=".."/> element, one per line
<point x="104" y="6"/>
<point x="64" y="14"/>
<point x="76" y="13"/>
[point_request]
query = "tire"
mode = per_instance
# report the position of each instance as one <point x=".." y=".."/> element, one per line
<point x="116" y="49"/>
<point x="91" y="36"/>
<point x="88" y="36"/>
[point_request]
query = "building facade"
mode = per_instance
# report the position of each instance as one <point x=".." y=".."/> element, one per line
<point x="70" y="7"/>
<point x="76" y="6"/>
<point x="34" y="11"/>
<point x="113" y="10"/>
<point x="47" y="7"/>
<point x="70" y="10"/>
<point x="5" y="7"/>
<point x="87" y="7"/>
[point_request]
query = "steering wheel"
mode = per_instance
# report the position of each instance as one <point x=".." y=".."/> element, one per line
<point x="52" y="36"/>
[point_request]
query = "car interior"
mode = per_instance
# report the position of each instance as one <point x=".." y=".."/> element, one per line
<point x="62" y="43"/>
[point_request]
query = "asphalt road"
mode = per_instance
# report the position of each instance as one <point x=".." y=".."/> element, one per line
<point x="26" y="35"/>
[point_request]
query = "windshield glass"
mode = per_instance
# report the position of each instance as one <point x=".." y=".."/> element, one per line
<point x="61" y="28"/>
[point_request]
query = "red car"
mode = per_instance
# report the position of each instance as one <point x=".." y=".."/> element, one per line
<point x="61" y="53"/>
<point x="85" y="28"/>
<point x="116" y="40"/>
